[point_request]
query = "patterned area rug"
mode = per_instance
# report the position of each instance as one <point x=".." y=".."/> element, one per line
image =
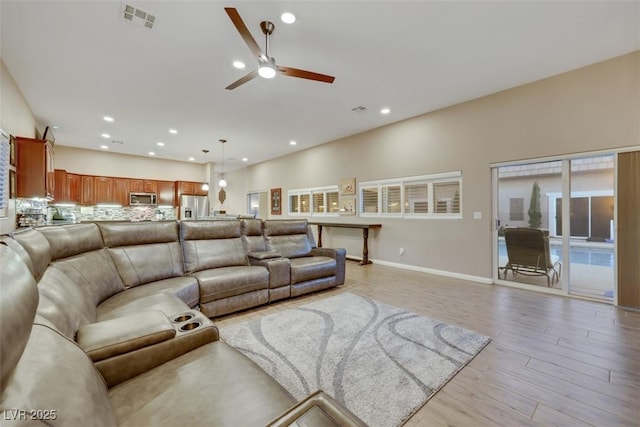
<point x="380" y="361"/>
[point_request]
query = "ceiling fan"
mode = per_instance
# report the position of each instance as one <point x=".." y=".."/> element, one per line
<point x="267" y="67"/>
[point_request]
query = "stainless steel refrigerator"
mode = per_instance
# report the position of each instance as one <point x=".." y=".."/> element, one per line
<point x="193" y="207"/>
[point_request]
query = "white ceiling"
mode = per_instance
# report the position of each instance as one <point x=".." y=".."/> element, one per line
<point x="78" y="61"/>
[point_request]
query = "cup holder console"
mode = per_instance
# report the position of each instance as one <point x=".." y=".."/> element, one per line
<point x="183" y="317"/>
<point x="190" y="326"/>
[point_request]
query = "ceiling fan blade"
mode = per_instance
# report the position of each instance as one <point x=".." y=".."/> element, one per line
<point x="244" y="32"/>
<point x="242" y="80"/>
<point x="303" y="74"/>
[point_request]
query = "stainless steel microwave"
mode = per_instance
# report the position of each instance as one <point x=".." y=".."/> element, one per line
<point x="143" y="199"/>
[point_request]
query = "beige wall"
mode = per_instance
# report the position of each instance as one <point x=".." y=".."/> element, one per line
<point x="16" y="119"/>
<point x="92" y="162"/>
<point x="593" y="108"/>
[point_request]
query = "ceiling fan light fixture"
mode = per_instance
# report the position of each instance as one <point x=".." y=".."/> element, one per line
<point x="267" y="69"/>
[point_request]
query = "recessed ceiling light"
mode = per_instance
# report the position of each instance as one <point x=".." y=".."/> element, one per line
<point x="104" y="147"/>
<point x="55" y="126"/>
<point x="173" y="131"/>
<point x="244" y="159"/>
<point x="105" y="135"/>
<point x="385" y="111"/>
<point x="288" y="18"/>
<point x="239" y="64"/>
<point x="151" y="153"/>
<point x="108" y="119"/>
<point x="160" y="144"/>
<point x="191" y="159"/>
<point x="292" y="143"/>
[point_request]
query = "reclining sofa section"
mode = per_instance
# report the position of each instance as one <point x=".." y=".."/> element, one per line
<point x="100" y="324"/>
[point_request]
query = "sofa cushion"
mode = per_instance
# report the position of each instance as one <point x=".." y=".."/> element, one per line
<point x="122" y="305"/>
<point x="211" y="244"/>
<point x="252" y="235"/>
<point x="226" y="282"/>
<point x="18" y="303"/>
<point x="213" y="384"/>
<point x="38" y="248"/>
<point x="147" y="263"/>
<point x="186" y="288"/>
<point x="288" y="237"/>
<point x="116" y="234"/>
<point x="313" y="267"/>
<point x="64" y="305"/>
<point x="74" y="239"/>
<point x="94" y="272"/>
<point x="55" y="376"/>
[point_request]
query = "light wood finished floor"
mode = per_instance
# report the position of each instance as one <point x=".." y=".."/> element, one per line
<point x="552" y="360"/>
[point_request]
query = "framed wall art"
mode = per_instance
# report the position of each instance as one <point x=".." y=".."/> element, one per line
<point x="276" y="201"/>
<point x="347" y="186"/>
<point x="348" y="205"/>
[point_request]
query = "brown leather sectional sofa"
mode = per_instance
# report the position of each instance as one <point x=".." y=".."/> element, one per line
<point x="109" y="323"/>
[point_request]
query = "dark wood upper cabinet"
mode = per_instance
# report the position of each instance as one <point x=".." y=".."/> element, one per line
<point x="35" y="176"/>
<point x="87" y="196"/>
<point x="74" y="188"/>
<point x="166" y="193"/>
<point x="120" y="193"/>
<point x="103" y="189"/>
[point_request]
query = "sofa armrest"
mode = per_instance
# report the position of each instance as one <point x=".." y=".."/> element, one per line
<point x="260" y="255"/>
<point x="125" y="334"/>
<point x="192" y="333"/>
<point x="279" y="270"/>
<point x="340" y="255"/>
<point x="318" y="409"/>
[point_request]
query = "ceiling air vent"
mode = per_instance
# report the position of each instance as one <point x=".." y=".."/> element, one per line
<point x="359" y="109"/>
<point x="138" y="16"/>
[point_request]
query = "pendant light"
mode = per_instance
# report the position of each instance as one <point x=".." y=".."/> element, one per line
<point x="222" y="183"/>
<point x="205" y="186"/>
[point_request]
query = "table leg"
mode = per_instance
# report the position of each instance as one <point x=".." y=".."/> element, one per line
<point x="365" y="247"/>
<point x="319" y="236"/>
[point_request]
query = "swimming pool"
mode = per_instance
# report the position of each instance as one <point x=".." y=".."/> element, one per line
<point x="578" y="254"/>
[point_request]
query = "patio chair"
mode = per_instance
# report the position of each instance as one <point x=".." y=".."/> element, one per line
<point x="528" y="253"/>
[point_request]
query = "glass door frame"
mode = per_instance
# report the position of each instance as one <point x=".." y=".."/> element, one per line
<point x="565" y="221"/>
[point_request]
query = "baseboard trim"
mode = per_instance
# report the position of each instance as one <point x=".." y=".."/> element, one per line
<point x="454" y="275"/>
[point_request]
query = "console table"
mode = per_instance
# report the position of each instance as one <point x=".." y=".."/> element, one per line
<point x="365" y="235"/>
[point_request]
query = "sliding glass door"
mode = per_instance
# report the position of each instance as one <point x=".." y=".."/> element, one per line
<point x="555" y="225"/>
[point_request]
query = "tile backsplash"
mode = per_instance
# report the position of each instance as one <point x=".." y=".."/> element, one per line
<point x="35" y="213"/>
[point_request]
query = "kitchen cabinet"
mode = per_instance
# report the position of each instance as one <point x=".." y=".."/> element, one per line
<point x="61" y="191"/>
<point x="166" y="193"/>
<point x="109" y="190"/>
<point x="87" y="195"/>
<point x="103" y="192"/>
<point x="67" y="187"/>
<point x="74" y="188"/>
<point x="189" y="188"/>
<point x="120" y="195"/>
<point x="143" y="186"/>
<point x="35" y="175"/>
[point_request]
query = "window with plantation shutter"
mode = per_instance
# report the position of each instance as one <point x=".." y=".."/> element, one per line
<point x="294" y="203"/>
<point x="369" y="199"/>
<point x="426" y="196"/>
<point x="305" y="203"/>
<point x="446" y="197"/>
<point x="332" y="202"/>
<point x="391" y="199"/>
<point x="314" y="201"/>
<point x="4" y="175"/>
<point x="416" y="198"/>
<point x="318" y="203"/>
